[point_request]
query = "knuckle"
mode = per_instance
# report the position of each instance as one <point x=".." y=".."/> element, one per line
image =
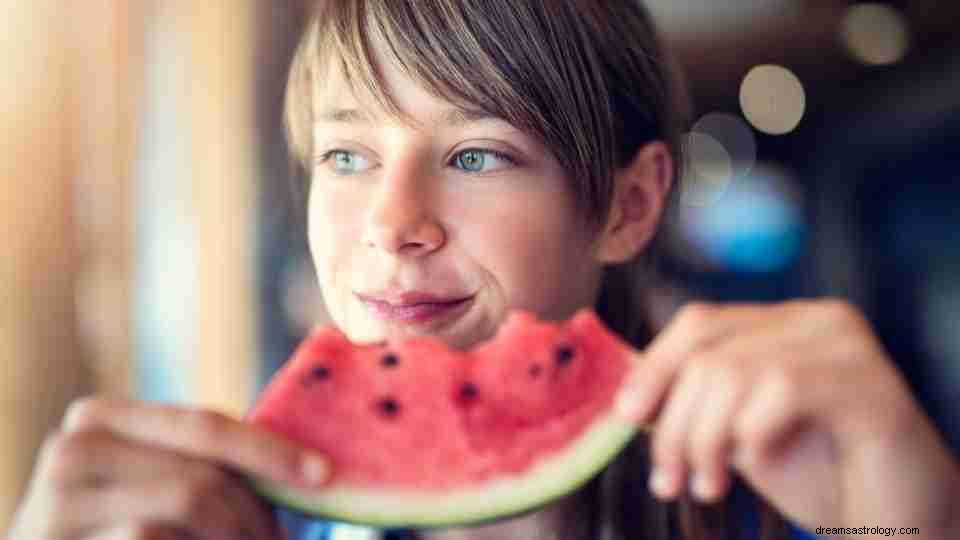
<point x="697" y="314"/>
<point x="83" y="413"/>
<point x="842" y="310"/>
<point x="804" y="304"/>
<point x="209" y="426"/>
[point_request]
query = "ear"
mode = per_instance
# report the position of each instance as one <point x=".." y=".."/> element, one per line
<point x="640" y="197"/>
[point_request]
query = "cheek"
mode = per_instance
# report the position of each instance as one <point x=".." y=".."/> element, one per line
<point x="334" y="229"/>
<point x="531" y="247"/>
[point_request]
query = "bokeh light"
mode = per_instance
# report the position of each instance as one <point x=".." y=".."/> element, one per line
<point x="758" y="226"/>
<point x="876" y="34"/>
<point x="709" y="170"/>
<point x="735" y="136"/>
<point x="773" y="99"/>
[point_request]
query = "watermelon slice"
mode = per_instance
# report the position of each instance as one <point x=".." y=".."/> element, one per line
<point x="423" y="435"/>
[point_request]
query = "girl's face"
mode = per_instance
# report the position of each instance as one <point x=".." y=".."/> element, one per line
<point x="438" y="228"/>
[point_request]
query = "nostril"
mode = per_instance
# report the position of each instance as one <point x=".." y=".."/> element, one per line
<point x="414" y="241"/>
<point x="412" y="246"/>
<point x="400" y="229"/>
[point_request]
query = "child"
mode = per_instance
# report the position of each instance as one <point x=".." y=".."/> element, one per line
<point x="467" y="158"/>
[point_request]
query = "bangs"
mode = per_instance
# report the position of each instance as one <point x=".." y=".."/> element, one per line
<point x="547" y="68"/>
<point x="459" y="69"/>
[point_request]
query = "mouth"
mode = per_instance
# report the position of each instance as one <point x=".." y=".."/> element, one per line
<point x="415" y="308"/>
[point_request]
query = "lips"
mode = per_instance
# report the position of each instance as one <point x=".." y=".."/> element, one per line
<point x="413" y="306"/>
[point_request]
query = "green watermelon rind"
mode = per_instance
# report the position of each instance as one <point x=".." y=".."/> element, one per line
<point x="554" y="477"/>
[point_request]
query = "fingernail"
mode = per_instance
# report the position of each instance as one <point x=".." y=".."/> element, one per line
<point x="700" y="486"/>
<point x="659" y="483"/>
<point x="314" y="469"/>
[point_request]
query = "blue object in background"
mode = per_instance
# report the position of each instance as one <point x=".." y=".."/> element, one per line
<point x="300" y="528"/>
<point x="305" y="528"/>
<point x="754" y="227"/>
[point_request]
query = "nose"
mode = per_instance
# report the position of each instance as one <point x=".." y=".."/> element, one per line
<point x="402" y="220"/>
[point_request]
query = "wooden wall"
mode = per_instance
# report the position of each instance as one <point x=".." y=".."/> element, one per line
<point x="40" y="357"/>
<point x="224" y="162"/>
<point x="69" y="134"/>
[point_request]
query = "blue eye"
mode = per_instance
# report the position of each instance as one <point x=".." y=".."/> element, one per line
<point x="346" y="162"/>
<point x="474" y="159"/>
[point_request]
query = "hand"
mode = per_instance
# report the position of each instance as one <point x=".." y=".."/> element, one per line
<point x="131" y="470"/>
<point x="801" y="399"/>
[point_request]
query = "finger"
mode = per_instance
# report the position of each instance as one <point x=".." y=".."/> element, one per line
<point x="784" y="398"/>
<point x="85" y="459"/>
<point x="693" y="329"/>
<point x="670" y="437"/>
<point x="698" y="325"/>
<point x="203" y="500"/>
<point x="736" y="362"/>
<point x="770" y="339"/>
<point x="258" y="513"/>
<point x="778" y="438"/>
<point x="711" y="437"/>
<point x="202" y="433"/>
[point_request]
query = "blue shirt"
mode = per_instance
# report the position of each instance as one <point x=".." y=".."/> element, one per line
<point x="301" y="528"/>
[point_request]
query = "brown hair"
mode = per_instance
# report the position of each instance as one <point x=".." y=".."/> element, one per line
<point x="590" y="80"/>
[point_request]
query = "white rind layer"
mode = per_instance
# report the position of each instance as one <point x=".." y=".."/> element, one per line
<point x="553" y="477"/>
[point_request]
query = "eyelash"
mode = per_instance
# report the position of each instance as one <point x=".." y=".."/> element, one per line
<point x="495" y="153"/>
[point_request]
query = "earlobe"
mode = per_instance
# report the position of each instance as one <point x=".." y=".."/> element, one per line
<point x="640" y="196"/>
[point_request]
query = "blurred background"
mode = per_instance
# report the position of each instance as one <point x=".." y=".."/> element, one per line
<point x="151" y="245"/>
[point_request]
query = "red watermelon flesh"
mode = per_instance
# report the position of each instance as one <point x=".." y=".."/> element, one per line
<point x="420" y="434"/>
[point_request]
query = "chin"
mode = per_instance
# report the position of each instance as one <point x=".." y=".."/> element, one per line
<point x="458" y="338"/>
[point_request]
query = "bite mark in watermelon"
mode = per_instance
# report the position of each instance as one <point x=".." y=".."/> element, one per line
<point x="423" y="435"/>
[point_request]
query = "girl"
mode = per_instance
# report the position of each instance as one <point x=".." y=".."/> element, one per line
<point x="471" y="157"/>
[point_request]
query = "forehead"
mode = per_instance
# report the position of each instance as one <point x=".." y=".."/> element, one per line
<point x="336" y="101"/>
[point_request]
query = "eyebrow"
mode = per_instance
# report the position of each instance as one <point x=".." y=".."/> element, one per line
<point x="455" y="117"/>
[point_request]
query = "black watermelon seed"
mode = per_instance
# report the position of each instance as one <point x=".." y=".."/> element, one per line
<point x="564" y="355"/>
<point x="390" y="360"/>
<point x="320" y="372"/>
<point x="468" y="390"/>
<point x="535" y="370"/>
<point x="389" y="406"/>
